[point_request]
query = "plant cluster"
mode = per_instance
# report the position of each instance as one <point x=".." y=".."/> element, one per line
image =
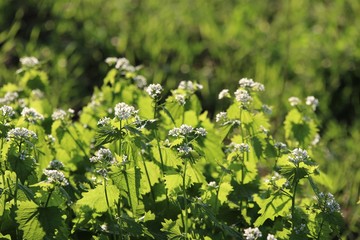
<point x="134" y="164"/>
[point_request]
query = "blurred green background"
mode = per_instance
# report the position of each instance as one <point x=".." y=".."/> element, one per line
<point x="295" y="48"/>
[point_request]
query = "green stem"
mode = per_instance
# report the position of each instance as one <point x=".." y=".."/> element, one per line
<point x="120" y="140"/>
<point x="293" y="203"/>
<point x="321" y="226"/>
<point x="108" y="204"/>
<point x="118" y="205"/>
<point x="217" y="193"/>
<point x="148" y="178"/>
<point x="49" y="196"/>
<point x="77" y="142"/>
<point x="185" y="199"/>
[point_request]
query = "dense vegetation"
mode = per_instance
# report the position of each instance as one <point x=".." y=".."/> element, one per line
<point x="133" y="166"/>
<point x="295" y="48"/>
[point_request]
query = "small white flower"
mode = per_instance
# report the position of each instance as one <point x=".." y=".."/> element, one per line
<point x="280" y="145"/>
<point x="56" y="177"/>
<point x="154" y="90"/>
<point x="56" y="164"/>
<point x="31" y="115"/>
<point x="180" y="98"/>
<point x="59" y="115"/>
<point x="190" y="86"/>
<point x="186" y="129"/>
<point x="111" y="60"/>
<point x="104" y="121"/>
<point x="243" y="96"/>
<point x="300" y="229"/>
<point x="270" y="237"/>
<point x="184" y="149"/>
<point x="103" y="155"/>
<point x="242" y="147"/>
<point x="258" y="87"/>
<point x="9" y="98"/>
<point x="252" y="233"/>
<point x="212" y="184"/>
<point x="21" y="134"/>
<point x="29" y="61"/>
<point x="312" y="101"/>
<point x="51" y="138"/>
<point x="124" y="111"/>
<point x="246" y="82"/>
<point x="294" y="101"/>
<point x="121" y="63"/>
<point x="329" y="202"/>
<point x="224" y="94"/>
<point x="266" y="109"/>
<point x="37" y="93"/>
<point x="316" y="140"/>
<point x="298" y="155"/>
<point x="200" y="131"/>
<point x="221" y="117"/>
<point x="175" y="132"/>
<point x="7" y="111"/>
<point x="140" y="81"/>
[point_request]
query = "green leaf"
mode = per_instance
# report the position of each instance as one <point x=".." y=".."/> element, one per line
<point x="41" y="223"/>
<point x="129" y="182"/>
<point x="150" y="172"/>
<point x="299" y="131"/>
<point x="172" y="228"/>
<point x="23" y="168"/>
<point x="225" y="189"/>
<point x="275" y="205"/>
<point x="173" y="181"/>
<point x="95" y="198"/>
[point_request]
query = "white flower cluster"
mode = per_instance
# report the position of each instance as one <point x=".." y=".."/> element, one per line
<point x="37" y="93"/>
<point x="201" y="131"/>
<point x="221" y="117"/>
<point x="185" y="149"/>
<point x="280" y="145"/>
<point x="236" y="147"/>
<point x="140" y="81"/>
<point x="184" y="130"/>
<point x="7" y="111"/>
<point x="224" y="94"/>
<point x="21" y="134"/>
<point x="249" y="83"/>
<point x="51" y="138"/>
<point x="329" y="202"/>
<point x="55" y="165"/>
<point x="154" y="90"/>
<point x="180" y="98"/>
<point x="298" y="155"/>
<point x="29" y="61"/>
<point x="312" y="101"/>
<point x="212" y="184"/>
<point x="190" y="86"/>
<point x="31" y="115"/>
<point x="301" y="229"/>
<point x="120" y="64"/>
<point x="103" y="155"/>
<point x="271" y="237"/>
<point x="56" y="177"/>
<point x="124" y="111"/>
<point x="266" y="109"/>
<point x="9" y="98"/>
<point x="243" y="96"/>
<point x="294" y="101"/>
<point x="104" y="122"/>
<point x="252" y="233"/>
<point x="60" y="114"/>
